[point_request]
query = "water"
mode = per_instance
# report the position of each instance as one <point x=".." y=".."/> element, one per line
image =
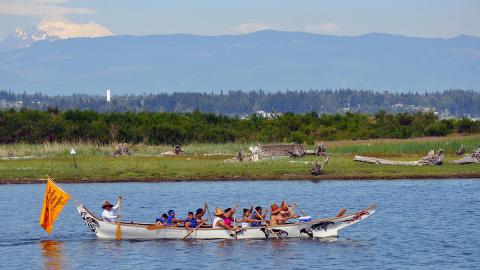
<point x="419" y="224"/>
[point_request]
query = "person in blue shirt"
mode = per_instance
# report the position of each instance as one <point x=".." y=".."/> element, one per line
<point x="171" y="220"/>
<point x="190" y="221"/>
<point x="162" y="220"/>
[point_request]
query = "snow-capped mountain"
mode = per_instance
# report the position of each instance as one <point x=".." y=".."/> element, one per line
<point x="60" y="28"/>
<point x="24" y="38"/>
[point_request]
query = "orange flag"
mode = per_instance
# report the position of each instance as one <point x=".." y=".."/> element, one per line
<point x="53" y="202"/>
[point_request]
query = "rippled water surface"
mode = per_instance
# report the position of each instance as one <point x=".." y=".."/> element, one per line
<point x="419" y="224"/>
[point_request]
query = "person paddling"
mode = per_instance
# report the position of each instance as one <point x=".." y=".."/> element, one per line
<point x="200" y="212"/>
<point x="218" y="221"/>
<point x="162" y="220"/>
<point x="276" y="217"/>
<point x="171" y="220"/>
<point x="257" y="215"/>
<point x="107" y="214"/>
<point x="190" y="222"/>
<point x="246" y="220"/>
<point x="227" y="216"/>
<point x="287" y="212"/>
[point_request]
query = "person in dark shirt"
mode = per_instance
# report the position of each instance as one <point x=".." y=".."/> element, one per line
<point x="162" y="220"/>
<point x="190" y="222"/>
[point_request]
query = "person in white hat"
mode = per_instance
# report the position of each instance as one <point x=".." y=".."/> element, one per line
<point x="107" y="214"/>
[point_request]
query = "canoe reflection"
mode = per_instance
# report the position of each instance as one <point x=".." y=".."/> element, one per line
<point x="52" y="253"/>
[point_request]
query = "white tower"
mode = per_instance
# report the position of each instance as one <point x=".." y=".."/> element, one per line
<point x="108" y="95"/>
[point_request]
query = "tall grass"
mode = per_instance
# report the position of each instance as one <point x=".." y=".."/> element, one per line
<point x="91" y="149"/>
<point x="450" y="145"/>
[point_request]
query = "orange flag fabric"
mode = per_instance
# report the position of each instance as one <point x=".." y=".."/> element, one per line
<point x="53" y="202"/>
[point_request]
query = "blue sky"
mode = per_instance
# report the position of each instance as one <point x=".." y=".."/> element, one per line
<point x="422" y="18"/>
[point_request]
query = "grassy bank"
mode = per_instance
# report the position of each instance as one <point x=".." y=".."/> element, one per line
<point x="205" y="161"/>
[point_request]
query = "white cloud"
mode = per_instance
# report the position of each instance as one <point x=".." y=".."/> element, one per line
<point x="324" y="28"/>
<point x="245" y="28"/>
<point x="40" y="8"/>
<point x="63" y="28"/>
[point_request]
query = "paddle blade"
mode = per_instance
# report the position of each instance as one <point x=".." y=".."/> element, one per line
<point x="342" y="212"/>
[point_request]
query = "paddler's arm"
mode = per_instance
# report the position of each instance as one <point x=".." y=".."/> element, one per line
<point x="118" y="203"/>
<point x="106" y="214"/>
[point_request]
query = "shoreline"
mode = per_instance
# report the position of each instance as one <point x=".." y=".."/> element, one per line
<point x="325" y="177"/>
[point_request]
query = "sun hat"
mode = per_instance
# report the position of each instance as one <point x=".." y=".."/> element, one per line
<point x="275" y="209"/>
<point x="106" y="204"/>
<point x="218" y="211"/>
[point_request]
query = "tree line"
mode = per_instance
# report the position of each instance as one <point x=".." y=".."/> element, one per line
<point x="457" y="103"/>
<point x="52" y="125"/>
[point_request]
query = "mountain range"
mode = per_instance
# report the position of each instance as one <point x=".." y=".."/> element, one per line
<point x="269" y="60"/>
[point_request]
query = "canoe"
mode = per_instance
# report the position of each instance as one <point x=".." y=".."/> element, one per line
<point x="323" y="227"/>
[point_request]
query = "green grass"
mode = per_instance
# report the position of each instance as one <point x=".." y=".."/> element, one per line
<point x="402" y="147"/>
<point x="95" y="162"/>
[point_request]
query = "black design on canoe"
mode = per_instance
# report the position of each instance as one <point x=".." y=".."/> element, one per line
<point x="307" y="231"/>
<point x="91" y="223"/>
<point x="321" y="225"/>
<point x="278" y="232"/>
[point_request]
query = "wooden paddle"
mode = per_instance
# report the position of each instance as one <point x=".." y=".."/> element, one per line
<point x="291" y="211"/>
<point x="295" y="204"/>
<point x="266" y="224"/>
<point x="119" y="230"/>
<point x="193" y="230"/>
<point x="234" y="222"/>
<point x="341" y="212"/>
<point x="208" y="209"/>
<point x="154" y="227"/>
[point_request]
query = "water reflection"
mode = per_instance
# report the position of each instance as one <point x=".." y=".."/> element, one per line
<point x="52" y="254"/>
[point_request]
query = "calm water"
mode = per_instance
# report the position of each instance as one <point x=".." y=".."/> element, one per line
<point x="418" y="225"/>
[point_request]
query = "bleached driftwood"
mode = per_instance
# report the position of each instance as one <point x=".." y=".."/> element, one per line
<point x="318" y="167"/>
<point x="473" y="158"/>
<point x="239" y="157"/>
<point x="121" y="150"/>
<point x="431" y="159"/>
<point x="177" y="151"/>
<point x="461" y="151"/>
<point x="320" y="151"/>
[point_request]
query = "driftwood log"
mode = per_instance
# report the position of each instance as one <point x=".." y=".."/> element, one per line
<point x="176" y="151"/>
<point x="320" y="151"/>
<point x="295" y="153"/>
<point x="121" y="150"/>
<point x="461" y="151"/>
<point x="473" y="158"/>
<point x="318" y="167"/>
<point x="431" y="159"/>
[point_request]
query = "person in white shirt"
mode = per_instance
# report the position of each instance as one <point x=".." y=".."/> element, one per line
<point x="107" y="214"/>
<point x="218" y="222"/>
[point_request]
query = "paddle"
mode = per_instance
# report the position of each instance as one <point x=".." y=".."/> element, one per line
<point x="119" y="230"/>
<point x="208" y="209"/>
<point x="234" y="222"/>
<point x="268" y="227"/>
<point x="341" y="212"/>
<point x="295" y="204"/>
<point x="154" y="227"/>
<point x="193" y="230"/>
<point x="291" y="211"/>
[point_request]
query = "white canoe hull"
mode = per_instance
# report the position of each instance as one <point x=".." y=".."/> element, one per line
<point x="325" y="227"/>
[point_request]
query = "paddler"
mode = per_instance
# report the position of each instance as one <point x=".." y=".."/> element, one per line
<point x="191" y="222"/>
<point x="171" y="220"/>
<point x="276" y="217"/>
<point x="286" y="211"/>
<point x="107" y="214"/>
<point x="200" y="212"/>
<point x="218" y="221"/>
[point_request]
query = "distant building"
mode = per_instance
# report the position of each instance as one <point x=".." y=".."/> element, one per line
<point x="108" y="95"/>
